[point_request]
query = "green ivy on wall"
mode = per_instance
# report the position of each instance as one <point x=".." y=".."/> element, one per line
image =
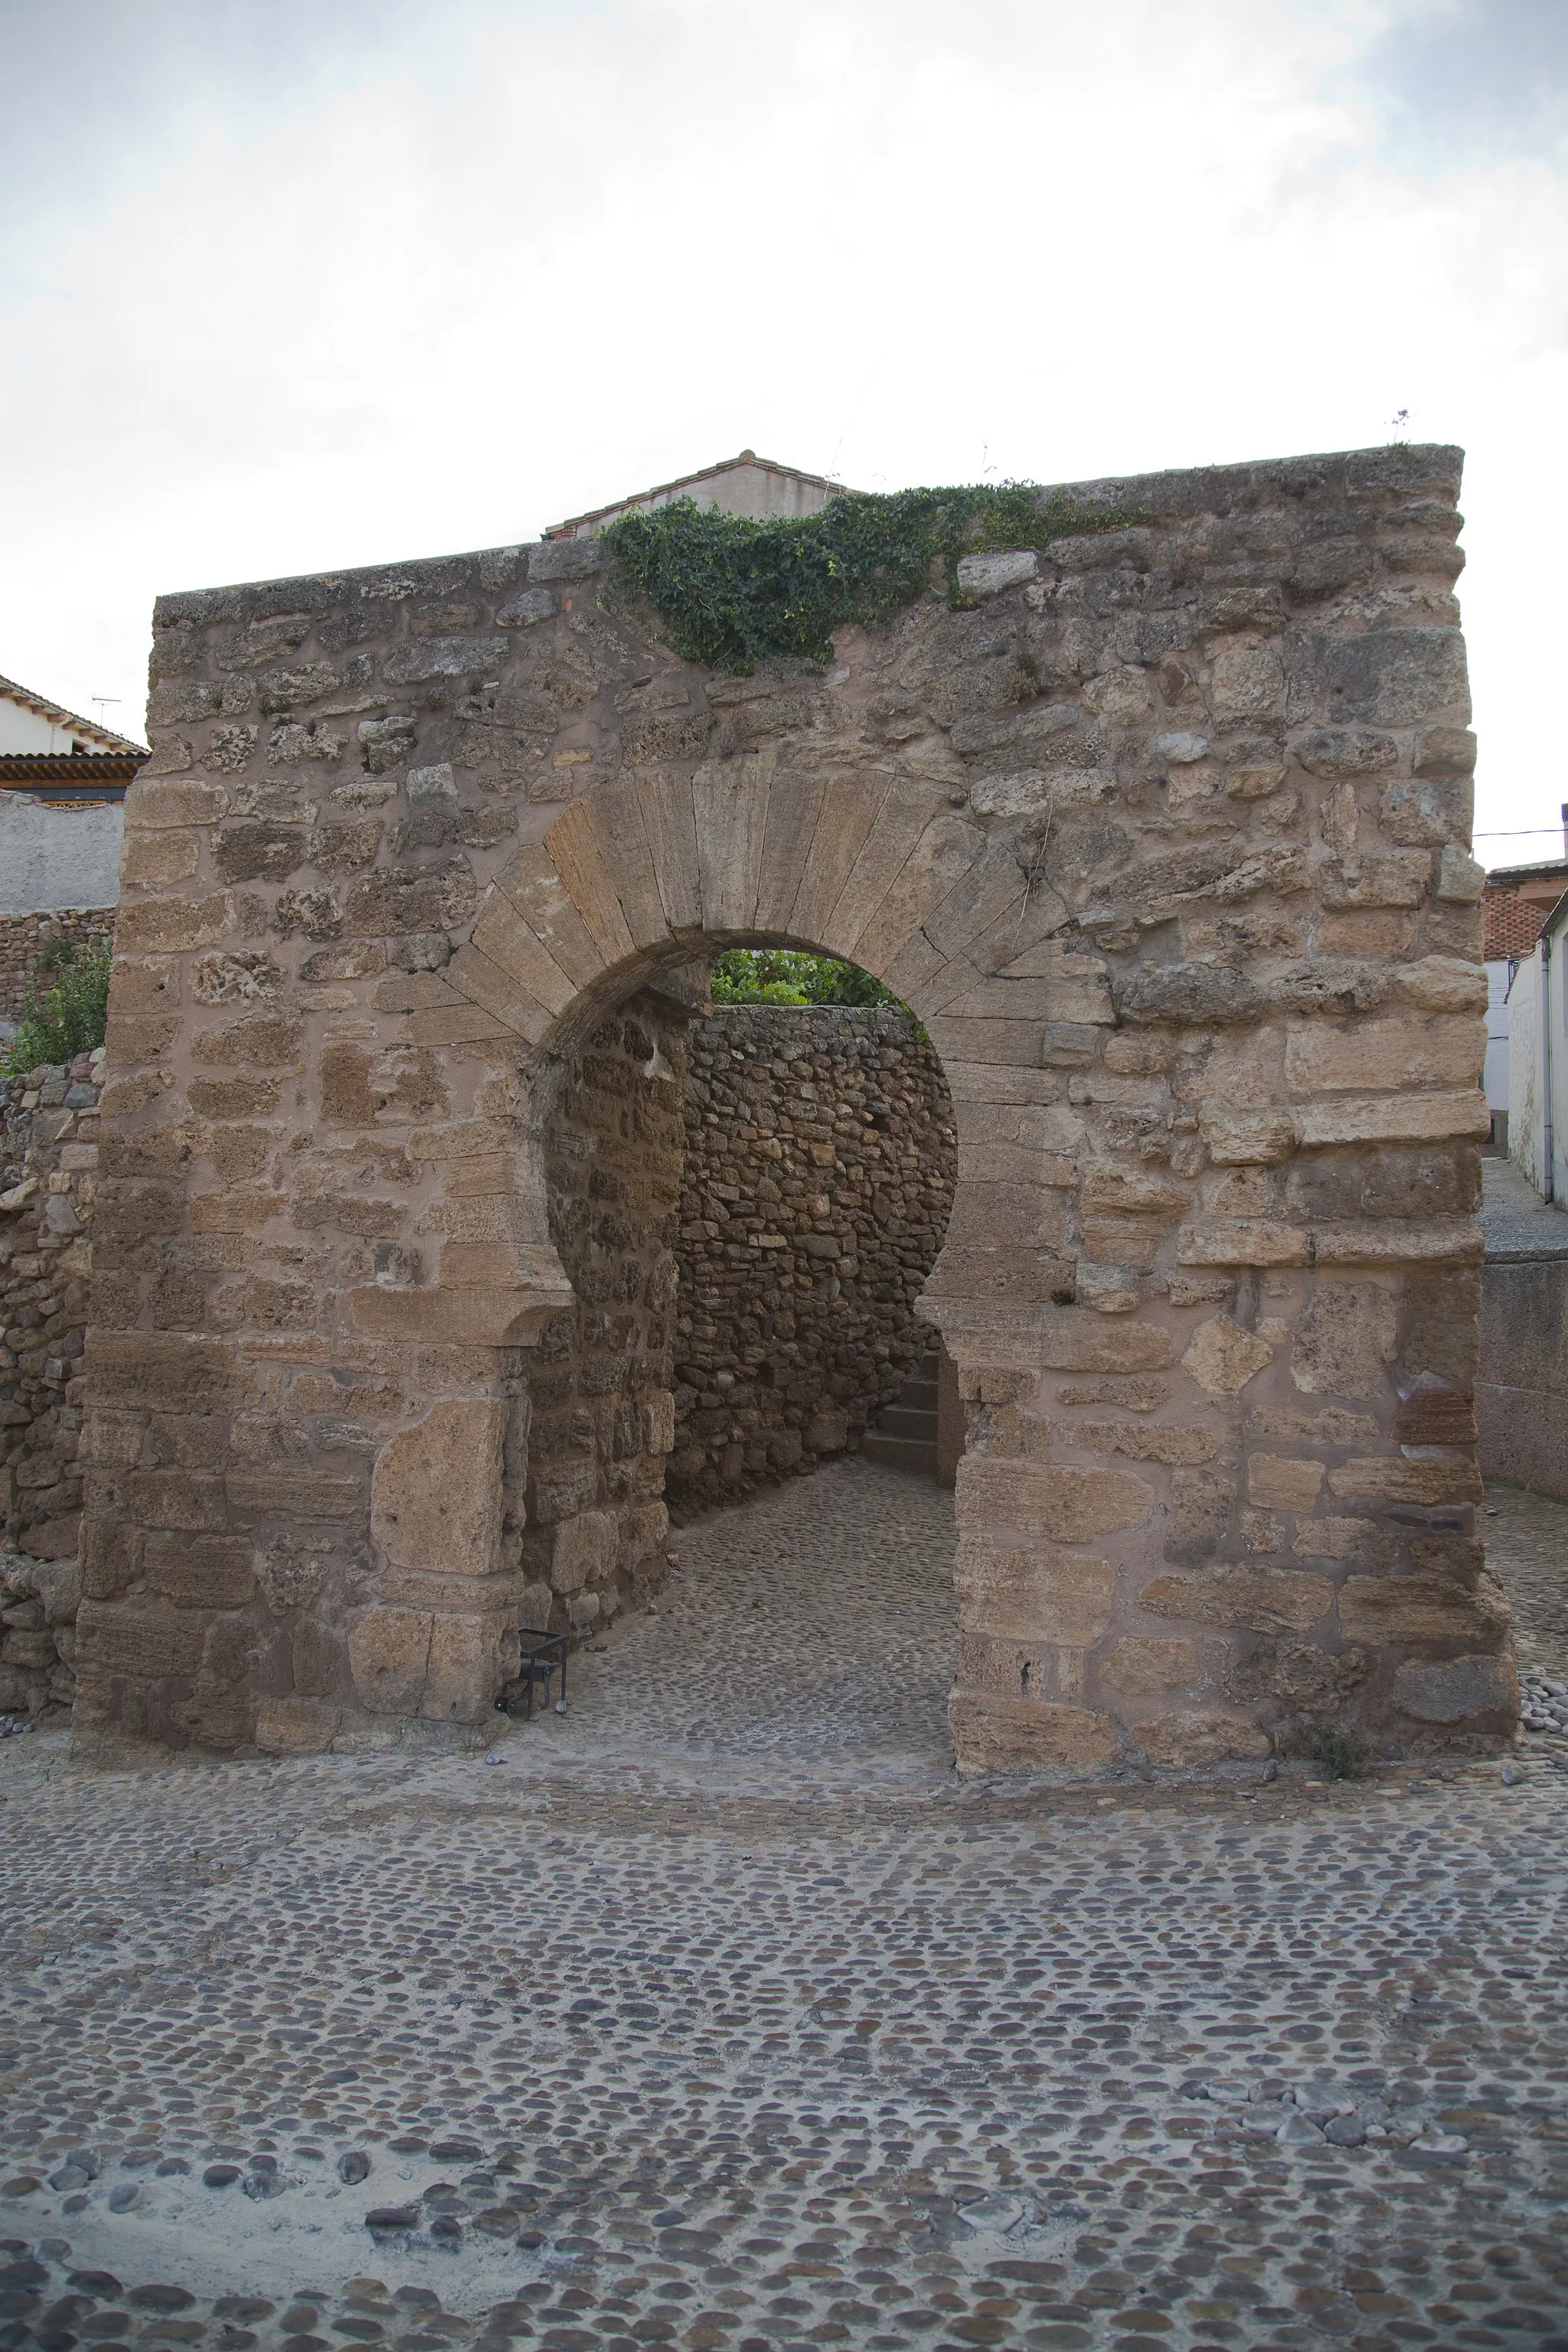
<point x="732" y="593"/>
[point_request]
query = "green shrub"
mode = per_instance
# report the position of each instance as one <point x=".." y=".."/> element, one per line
<point x="787" y="976"/>
<point x="734" y="592"/>
<point x="69" y="1018"/>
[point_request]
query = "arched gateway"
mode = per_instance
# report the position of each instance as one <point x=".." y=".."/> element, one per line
<point x="1165" y="840"/>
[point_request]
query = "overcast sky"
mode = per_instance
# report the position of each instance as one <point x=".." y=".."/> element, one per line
<point x="290" y="284"/>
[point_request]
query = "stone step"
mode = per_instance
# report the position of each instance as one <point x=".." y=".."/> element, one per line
<point x="900" y="1453"/>
<point x="903" y="1420"/>
<point x="921" y="1394"/>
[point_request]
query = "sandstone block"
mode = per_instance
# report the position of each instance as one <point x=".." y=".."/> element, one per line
<point x="389" y="1655"/>
<point x="583" y="1550"/>
<point x="466" y="1666"/>
<point x="201" y="1572"/>
<point x="1072" y="1506"/>
<point x="1389" y="1054"/>
<point x="1139" y="1664"/>
<point x="297" y="1726"/>
<point x="1347" y="751"/>
<point x="1396" y="1118"/>
<point x="1242" y="1241"/>
<point x="1460" y="878"/>
<point x="144" y="1638"/>
<point x="1395" y="677"/>
<point x="1143" y="1442"/>
<point x="1190" y="1739"/>
<point x="1222" y="1357"/>
<point x="172" y="926"/>
<point x="1390" y="1478"/>
<point x="1445" y="751"/>
<point x="658" y="1421"/>
<point x="991" y="1734"/>
<point x="184" y="1371"/>
<point x="1387" y="877"/>
<point x="1110" y="1288"/>
<point x="153" y="803"/>
<point x="436" y="1492"/>
<point x="988" y="575"/>
<point x="1264" y="1600"/>
<point x="155" y="860"/>
<point x="1042" y="1594"/>
<point x="1398" y="1609"/>
<point x="1240" y="1138"/>
<point x="1277" y="1483"/>
<point x="1345" y="1339"/>
<point x="1481" y="1691"/>
<point x="1333" y="1538"/>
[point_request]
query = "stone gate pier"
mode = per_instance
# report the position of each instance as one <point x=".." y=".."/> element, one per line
<point x="1163" y="836"/>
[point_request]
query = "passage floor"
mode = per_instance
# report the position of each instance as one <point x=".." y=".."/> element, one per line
<point x="719" y="2013"/>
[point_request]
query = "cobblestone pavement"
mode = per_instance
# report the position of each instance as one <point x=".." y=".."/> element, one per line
<point x="721" y="2013"/>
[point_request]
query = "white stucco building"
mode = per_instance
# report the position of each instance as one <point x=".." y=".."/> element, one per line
<point x="1538" y="1059"/>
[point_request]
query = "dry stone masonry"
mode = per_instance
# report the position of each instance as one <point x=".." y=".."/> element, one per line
<point x="593" y="1521"/>
<point x="48" y="1156"/>
<point x="1162" y="836"/>
<point x="819" y="1173"/>
<point x="24" y="939"/>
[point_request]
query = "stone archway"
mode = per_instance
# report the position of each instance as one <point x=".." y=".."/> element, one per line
<point x="1163" y="843"/>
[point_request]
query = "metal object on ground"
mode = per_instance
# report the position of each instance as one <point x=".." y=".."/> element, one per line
<point x="543" y="1655"/>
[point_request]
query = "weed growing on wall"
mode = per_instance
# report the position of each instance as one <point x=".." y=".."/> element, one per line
<point x="732" y="593"/>
<point x="68" y="1019"/>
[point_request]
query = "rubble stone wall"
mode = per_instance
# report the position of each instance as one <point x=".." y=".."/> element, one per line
<point x="24" y="938"/>
<point x="1163" y="834"/>
<point x="48" y="1157"/>
<point x="819" y="1172"/>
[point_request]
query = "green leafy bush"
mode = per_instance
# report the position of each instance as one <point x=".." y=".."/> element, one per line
<point x="68" y="1019"/>
<point x="734" y="592"/>
<point x="787" y="976"/>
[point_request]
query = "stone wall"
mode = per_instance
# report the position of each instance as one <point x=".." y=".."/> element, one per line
<point x="24" y="938"/>
<point x="599" y="1382"/>
<point x="48" y="1156"/>
<point x="1522" y="1399"/>
<point x="819" y="1174"/>
<point x="1163" y="834"/>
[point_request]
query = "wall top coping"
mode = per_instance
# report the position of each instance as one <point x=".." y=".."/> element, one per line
<point x="1173" y="496"/>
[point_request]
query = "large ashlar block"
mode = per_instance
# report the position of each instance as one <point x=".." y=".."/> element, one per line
<point x="1345" y="1339"/>
<point x="1071" y="1506"/>
<point x="421" y="1662"/>
<point x="1141" y="1665"/>
<point x="436" y="1492"/>
<point x="1397" y="1609"/>
<point x="1264" y="1600"/>
<point x="1042" y="1594"/>
<point x="1481" y="1691"/>
<point x="1189" y="1739"/>
<point x="992" y="1734"/>
<point x="1359" y="1056"/>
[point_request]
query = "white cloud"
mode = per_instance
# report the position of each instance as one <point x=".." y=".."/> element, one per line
<point x="508" y="262"/>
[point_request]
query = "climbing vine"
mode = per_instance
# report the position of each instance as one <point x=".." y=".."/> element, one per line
<point x="732" y="593"/>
